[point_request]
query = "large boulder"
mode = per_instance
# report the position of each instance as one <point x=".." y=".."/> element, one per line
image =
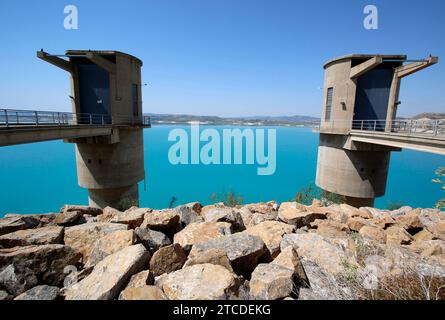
<point x="332" y="229"/>
<point x="83" y="237"/>
<point x="201" y="282"/>
<point x="315" y="248"/>
<point x="162" y="220"/>
<point x="271" y="232"/>
<point x="374" y="233"/>
<point x="299" y="216"/>
<point x="151" y="239"/>
<point x="109" y="244"/>
<point x="356" y="223"/>
<point x="201" y="232"/>
<point x="141" y="279"/>
<point x="17" y="280"/>
<point x="212" y="256"/>
<point x="167" y="259"/>
<point x="397" y="235"/>
<point x="108" y="214"/>
<point x="289" y="258"/>
<point x="43" y="292"/>
<point x="225" y="215"/>
<point x="68" y="218"/>
<point x="82" y="209"/>
<point x="271" y="282"/>
<point x="17" y="222"/>
<point x="438" y="230"/>
<point x="46" y="262"/>
<point x="189" y="213"/>
<point x="322" y="284"/>
<point x="143" y="293"/>
<point x="133" y="218"/>
<point x="243" y="250"/>
<point x="410" y="221"/>
<point x="110" y="275"/>
<point x="45" y="235"/>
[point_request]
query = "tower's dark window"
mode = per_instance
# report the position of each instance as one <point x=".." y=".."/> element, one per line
<point x="330" y="93"/>
<point x="135" y="100"/>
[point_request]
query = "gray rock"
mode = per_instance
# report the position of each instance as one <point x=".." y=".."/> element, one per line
<point x="187" y="215"/>
<point x="271" y="282"/>
<point x="141" y="279"/>
<point x="243" y="250"/>
<point x="82" y="209"/>
<point x="40" y="293"/>
<point x="45" y="235"/>
<point x="225" y="215"/>
<point x="68" y="218"/>
<point x="46" y="262"/>
<point x="151" y="239"/>
<point x="167" y="259"/>
<point x="110" y="275"/>
<point x="16" y="222"/>
<point x="17" y="280"/>
<point x="4" y="296"/>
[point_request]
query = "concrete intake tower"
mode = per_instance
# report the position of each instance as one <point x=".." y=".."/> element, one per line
<point x="106" y="91"/>
<point x="359" y="128"/>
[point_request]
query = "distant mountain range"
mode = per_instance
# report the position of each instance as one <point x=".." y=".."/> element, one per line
<point x="248" y="120"/>
<point x="290" y="121"/>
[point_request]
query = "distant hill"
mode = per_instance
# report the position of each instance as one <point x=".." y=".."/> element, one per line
<point x="295" y="120"/>
<point x="430" y="115"/>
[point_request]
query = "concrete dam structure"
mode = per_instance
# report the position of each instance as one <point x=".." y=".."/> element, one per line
<point x="359" y="128"/>
<point x="106" y="123"/>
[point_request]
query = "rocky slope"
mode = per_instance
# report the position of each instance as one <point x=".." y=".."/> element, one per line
<point x="255" y="251"/>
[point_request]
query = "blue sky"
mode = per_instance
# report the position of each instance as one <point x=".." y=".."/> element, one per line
<point x="220" y="57"/>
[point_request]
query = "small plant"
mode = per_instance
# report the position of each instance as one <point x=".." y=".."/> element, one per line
<point x="394" y="205"/>
<point x="311" y="192"/>
<point x="441" y="173"/>
<point x="126" y="204"/>
<point x="230" y="199"/>
<point x="172" y="202"/>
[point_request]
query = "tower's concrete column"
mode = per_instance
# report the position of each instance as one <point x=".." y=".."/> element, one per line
<point x="358" y="175"/>
<point x="111" y="171"/>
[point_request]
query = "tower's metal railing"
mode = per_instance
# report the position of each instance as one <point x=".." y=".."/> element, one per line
<point x="12" y="117"/>
<point x="432" y="128"/>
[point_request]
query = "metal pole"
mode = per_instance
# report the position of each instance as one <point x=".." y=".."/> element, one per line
<point x="6" y="118"/>
<point x="58" y="118"/>
<point x="91" y="119"/>
<point x="37" y="118"/>
<point x="17" y="116"/>
<point x="375" y="124"/>
<point x="436" y="126"/>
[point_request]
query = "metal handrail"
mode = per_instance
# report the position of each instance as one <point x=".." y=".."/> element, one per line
<point x="14" y="117"/>
<point x="433" y="128"/>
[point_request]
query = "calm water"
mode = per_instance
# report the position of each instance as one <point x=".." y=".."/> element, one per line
<point x="41" y="177"/>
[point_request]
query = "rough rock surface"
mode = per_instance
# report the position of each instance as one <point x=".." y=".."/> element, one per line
<point x="374" y="233"/>
<point x="14" y="223"/>
<point x="43" y="292"/>
<point x="200" y="232"/>
<point x="151" y="239"/>
<point x="16" y="280"/>
<point x="161" y="220"/>
<point x="167" y="259"/>
<point x="83" y="237"/>
<point x="243" y="250"/>
<point x="45" y="235"/>
<point x="142" y="293"/>
<point x="141" y="279"/>
<point x="110" y="275"/>
<point x="299" y="216"/>
<point x="201" y="282"/>
<point x="109" y="244"/>
<point x="271" y="232"/>
<point x="397" y="235"/>
<point x="46" y="262"/>
<point x="225" y="215"/>
<point x="289" y="258"/>
<point x="133" y="218"/>
<point x="189" y="213"/>
<point x="68" y="218"/>
<point x="82" y="209"/>
<point x="212" y="256"/>
<point x="271" y="282"/>
<point x="315" y="248"/>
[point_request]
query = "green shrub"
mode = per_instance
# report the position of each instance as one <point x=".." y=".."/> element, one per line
<point x="311" y="192"/>
<point x="230" y="199"/>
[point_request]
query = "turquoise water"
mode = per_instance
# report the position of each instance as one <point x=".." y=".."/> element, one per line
<point x="41" y="177"/>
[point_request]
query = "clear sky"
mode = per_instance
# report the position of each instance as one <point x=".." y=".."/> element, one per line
<point x="220" y="57"/>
